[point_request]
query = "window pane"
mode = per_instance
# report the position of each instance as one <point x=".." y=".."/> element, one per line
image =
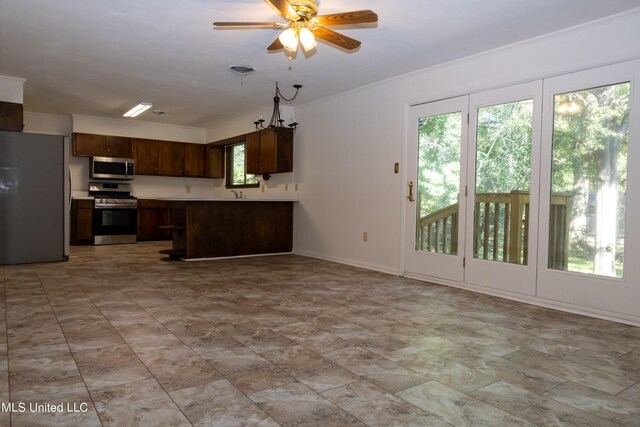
<point x="589" y="180"/>
<point x="238" y="166"/>
<point x="439" y="139"/>
<point x="503" y="182"/>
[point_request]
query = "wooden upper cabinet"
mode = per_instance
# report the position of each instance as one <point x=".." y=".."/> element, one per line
<point x="146" y="153"/>
<point x="171" y="158"/>
<point x="118" y="146"/>
<point x="253" y="152"/>
<point x="194" y="160"/>
<point x="213" y="161"/>
<point x="11" y="116"/>
<point x="270" y="151"/>
<point x="88" y="144"/>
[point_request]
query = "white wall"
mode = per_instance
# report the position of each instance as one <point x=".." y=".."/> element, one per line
<point x="11" y="89"/>
<point x="346" y="144"/>
<point x="52" y="124"/>
<point x="137" y="129"/>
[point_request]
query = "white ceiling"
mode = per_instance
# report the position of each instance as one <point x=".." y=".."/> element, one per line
<point x="101" y="57"/>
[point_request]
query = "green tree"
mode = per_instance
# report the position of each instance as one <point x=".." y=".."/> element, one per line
<point x="590" y="143"/>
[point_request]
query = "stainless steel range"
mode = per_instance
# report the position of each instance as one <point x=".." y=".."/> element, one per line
<point x="115" y="213"/>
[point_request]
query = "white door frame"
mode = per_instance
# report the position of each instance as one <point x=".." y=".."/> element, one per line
<point x="427" y="264"/>
<point x="597" y="292"/>
<point x="508" y="277"/>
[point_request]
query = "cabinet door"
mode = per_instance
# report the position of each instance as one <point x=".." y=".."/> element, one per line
<point x="194" y="160"/>
<point x="146" y="154"/>
<point x="171" y="158"/>
<point x="118" y="146"/>
<point x="152" y="214"/>
<point x="284" y="150"/>
<point x="11" y="116"/>
<point x="268" y="151"/>
<point x="82" y="222"/>
<point x="214" y="161"/>
<point x="253" y="152"/>
<point x="87" y="144"/>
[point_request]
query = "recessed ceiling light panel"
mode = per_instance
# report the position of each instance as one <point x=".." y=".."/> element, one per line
<point x="138" y="109"/>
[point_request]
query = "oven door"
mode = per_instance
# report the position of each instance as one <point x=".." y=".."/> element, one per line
<point x="113" y="225"/>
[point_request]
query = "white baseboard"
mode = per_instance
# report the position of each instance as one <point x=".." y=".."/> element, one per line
<point x="542" y="302"/>
<point x="347" y="261"/>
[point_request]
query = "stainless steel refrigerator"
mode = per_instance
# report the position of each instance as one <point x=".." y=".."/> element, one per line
<point x="34" y="198"/>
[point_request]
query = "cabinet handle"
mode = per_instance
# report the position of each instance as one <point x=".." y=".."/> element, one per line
<point x="410" y="196"/>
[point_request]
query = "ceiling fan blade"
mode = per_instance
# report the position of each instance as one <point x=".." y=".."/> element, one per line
<point x="248" y="24"/>
<point x="285" y="9"/>
<point x="336" y="38"/>
<point x="276" y="45"/>
<point x="354" y="17"/>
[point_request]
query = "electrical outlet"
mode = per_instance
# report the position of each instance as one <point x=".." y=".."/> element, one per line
<point x="188" y="189"/>
<point x="263" y="187"/>
<point x="296" y="186"/>
<point x="365" y="236"/>
<point x="286" y="187"/>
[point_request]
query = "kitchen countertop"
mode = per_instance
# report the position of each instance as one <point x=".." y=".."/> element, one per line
<point x="214" y="199"/>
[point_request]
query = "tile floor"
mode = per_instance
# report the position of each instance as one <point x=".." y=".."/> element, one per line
<point x="120" y="337"/>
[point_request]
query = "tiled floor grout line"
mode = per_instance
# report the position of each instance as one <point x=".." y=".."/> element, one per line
<point x="117" y="270"/>
<point x="258" y="354"/>
<point x="6" y="338"/>
<point x="137" y="356"/>
<point x="70" y="351"/>
<point x="205" y="360"/>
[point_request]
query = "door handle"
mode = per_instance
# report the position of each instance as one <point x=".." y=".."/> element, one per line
<point x="410" y="196"/>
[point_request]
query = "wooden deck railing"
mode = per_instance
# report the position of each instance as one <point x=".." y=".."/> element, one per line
<point x="501" y="228"/>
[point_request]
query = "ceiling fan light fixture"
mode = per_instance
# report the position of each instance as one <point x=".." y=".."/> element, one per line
<point x="307" y="39"/>
<point x="289" y="39"/>
<point x="138" y="109"/>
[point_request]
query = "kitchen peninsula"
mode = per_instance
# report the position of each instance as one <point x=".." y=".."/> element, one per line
<point x="213" y="228"/>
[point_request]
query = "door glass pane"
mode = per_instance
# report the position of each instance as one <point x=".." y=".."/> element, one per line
<point x="439" y="140"/>
<point x="503" y="182"/>
<point x="589" y="180"/>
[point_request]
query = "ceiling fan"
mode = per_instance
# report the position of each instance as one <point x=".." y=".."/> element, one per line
<point x="304" y="25"/>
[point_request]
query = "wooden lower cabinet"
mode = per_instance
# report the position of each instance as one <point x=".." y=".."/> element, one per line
<point x="208" y="229"/>
<point x="152" y="215"/>
<point x="81" y="222"/>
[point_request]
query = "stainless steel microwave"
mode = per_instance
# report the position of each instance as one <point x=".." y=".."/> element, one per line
<point x="112" y="168"/>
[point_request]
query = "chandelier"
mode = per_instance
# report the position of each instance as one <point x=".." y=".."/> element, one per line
<point x="276" y="120"/>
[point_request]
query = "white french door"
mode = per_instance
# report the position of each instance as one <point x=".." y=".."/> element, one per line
<point x="590" y="210"/>
<point x="435" y="214"/>
<point x="531" y="190"/>
<point x="502" y="188"/>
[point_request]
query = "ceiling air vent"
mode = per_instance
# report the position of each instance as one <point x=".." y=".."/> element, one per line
<point x="242" y="70"/>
